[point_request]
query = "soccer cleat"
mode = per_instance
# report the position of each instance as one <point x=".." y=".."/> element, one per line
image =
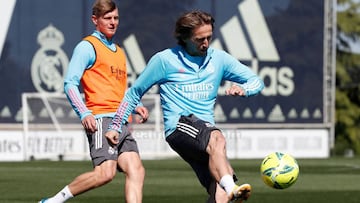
<point x="42" y="200"/>
<point x="240" y="193"/>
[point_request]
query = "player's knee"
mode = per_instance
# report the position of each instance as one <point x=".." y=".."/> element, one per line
<point x="217" y="140"/>
<point x="136" y="170"/>
<point x="106" y="178"/>
<point x="141" y="171"/>
<point x="131" y="164"/>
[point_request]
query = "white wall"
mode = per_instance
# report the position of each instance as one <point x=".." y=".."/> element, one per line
<point x="243" y="144"/>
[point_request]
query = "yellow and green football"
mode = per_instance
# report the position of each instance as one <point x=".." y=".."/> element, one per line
<point x="279" y="170"/>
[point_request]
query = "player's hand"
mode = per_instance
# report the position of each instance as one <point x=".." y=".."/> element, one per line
<point x="112" y="136"/>
<point x="235" y="90"/>
<point x="89" y="124"/>
<point x="142" y="114"/>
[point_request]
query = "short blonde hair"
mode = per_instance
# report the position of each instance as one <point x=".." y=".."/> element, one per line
<point x="101" y="7"/>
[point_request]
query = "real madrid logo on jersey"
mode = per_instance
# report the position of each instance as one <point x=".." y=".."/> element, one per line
<point x="50" y="61"/>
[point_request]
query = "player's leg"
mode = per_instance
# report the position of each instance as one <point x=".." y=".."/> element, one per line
<point x="190" y="141"/>
<point x="101" y="175"/>
<point x="216" y="193"/>
<point x="220" y="194"/>
<point x="221" y="168"/>
<point x="130" y="163"/>
<point x="104" y="158"/>
<point x="200" y="164"/>
<point x="218" y="162"/>
<point x="211" y="141"/>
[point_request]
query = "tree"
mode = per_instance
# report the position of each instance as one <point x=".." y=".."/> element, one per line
<point x="347" y="127"/>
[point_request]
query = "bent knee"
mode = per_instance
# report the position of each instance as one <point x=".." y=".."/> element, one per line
<point x="105" y="174"/>
<point x="108" y="176"/>
<point x="105" y="177"/>
<point x="217" y="138"/>
<point x="217" y="142"/>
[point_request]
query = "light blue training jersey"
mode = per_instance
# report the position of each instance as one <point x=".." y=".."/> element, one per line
<point x="185" y="87"/>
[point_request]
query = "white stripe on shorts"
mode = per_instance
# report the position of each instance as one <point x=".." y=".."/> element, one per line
<point x="188" y="129"/>
<point x="98" y="134"/>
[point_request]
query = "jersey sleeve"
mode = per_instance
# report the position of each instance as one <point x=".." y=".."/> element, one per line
<point x="153" y="73"/>
<point x="239" y="73"/>
<point x="83" y="57"/>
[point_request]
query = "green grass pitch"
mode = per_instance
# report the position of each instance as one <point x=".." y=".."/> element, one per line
<point x="334" y="180"/>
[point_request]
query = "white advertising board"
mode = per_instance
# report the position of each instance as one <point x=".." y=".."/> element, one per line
<point x="301" y="143"/>
<point x="241" y="144"/>
<point x="67" y="145"/>
<point x="11" y="146"/>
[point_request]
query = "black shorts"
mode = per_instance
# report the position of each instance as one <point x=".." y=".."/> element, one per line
<point x="101" y="150"/>
<point x="190" y="140"/>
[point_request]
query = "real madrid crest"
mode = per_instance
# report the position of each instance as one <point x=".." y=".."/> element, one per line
<point x="50" y="61"/>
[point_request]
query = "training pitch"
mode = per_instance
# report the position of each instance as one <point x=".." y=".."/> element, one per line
<point x="334" y="180"/>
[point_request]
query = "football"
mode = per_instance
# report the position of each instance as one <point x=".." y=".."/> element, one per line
<point x="279" y="170"/>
